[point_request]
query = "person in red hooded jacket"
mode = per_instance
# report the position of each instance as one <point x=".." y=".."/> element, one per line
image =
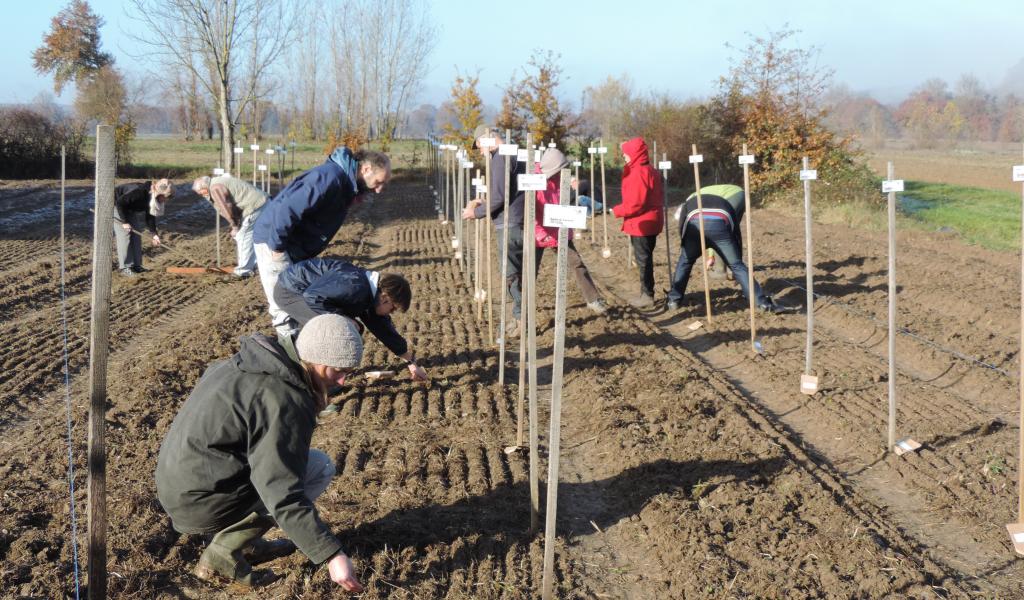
<point x="641" y="212"/>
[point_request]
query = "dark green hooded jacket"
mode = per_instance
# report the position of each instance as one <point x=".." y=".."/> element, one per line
<point x="240" y="443"/>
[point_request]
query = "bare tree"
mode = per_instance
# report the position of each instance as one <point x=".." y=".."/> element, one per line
<point x="216" y="40"/>
<point x="380" y="50"/>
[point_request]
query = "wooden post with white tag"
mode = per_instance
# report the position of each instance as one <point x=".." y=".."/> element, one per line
<point x="592" y="151"/>
<point x="478" y="287"/>
<point x="562" y="216"/>
<point x="486" y="144"/>
<point x="665" y="166"/>
<point x="1016" y="530"/>
<point x="890" y="186"/>
<point x="507" y="151"/>
<point x="809" y="382"/>
<point x="217" y="172"/>
<point x="695" y="160"/>
<point x="522" y="156"/>
<point x="531" y="183"/>
<point x="601" y="151"/>
<point x="238" y="150"/>
<point x="746" y="160"/>
<point x="255" y="148"/>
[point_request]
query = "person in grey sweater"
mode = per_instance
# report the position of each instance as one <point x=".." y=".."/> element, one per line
<point x="240" y="203"/>
<point x="237" y="458"/>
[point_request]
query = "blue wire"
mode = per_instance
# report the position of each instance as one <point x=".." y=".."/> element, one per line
<point x="67" y="396"/>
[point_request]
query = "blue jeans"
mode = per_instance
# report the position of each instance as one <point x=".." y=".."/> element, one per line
<point x="591" y="204"/>
<point x="720" y="238"/>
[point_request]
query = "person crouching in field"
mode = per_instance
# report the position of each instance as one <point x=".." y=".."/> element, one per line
<point x="302" y="219"/>
<point x="641" y="213"/>
<point x="237" y="458"/>
<point x="240" y="203"/>
<point x="136" y="206"/>
<point x="723" y="206"/>
<point x="327" y="285"/>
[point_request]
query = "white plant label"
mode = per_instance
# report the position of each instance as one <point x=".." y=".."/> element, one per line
<point x="508" y="149"/>
<point x="218" y="171"/>
<point x="1018" y="172"/>
<point x="521" y="155"/>
<point x="893" y="185"/>
<point x="602" y="150"/>
<point x="556" y="215"/>
<point x="481" y="189"/>
<point x="263" y="167"/>
<point x="746" y="159"/>
<point x="476" y="181"/>
<point x="270" y="150"/>
<point x="532" y="183"/>
<point x="808" y="384"/>
<point x="591" y="150"/>
<point x="468" y="164"/>
<point x="551" y="145"/>
<point x="576" y="163"/>
<point x="455" y="244"/>
<point x="665" y="165"/>
<point x="695" y="326"/>
<point x="808" y="174"/>
<point x="254" y="147"/>
<point x="696" y="158"/>
<point x="239" y="150"/>
<point x="487" y="142"/>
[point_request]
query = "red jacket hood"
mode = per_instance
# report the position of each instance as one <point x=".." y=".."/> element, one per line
<point x="636" y="148"/>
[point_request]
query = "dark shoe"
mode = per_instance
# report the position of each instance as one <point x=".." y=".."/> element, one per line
<point x="245" y="275"/>
<point x="671" y="306"/>
<point x="773" y="307"/>
<point x="139" y="269"/>
<point x="643" y="301"/>
<point x="597" y="307"/>
<point x="128" y="272"/>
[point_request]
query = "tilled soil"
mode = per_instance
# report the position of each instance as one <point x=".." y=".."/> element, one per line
<point x="688" y="470"/>
<point x="958" y="308"/>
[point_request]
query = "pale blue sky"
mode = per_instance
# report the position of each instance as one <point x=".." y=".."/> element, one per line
<point x="883" y="47"/>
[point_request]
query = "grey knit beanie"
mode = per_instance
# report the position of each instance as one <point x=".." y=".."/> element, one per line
<point x="330" y="340"/>
<point x="552" y="162"/>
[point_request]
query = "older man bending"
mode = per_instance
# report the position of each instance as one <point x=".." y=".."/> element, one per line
<point x="240" y="203"/>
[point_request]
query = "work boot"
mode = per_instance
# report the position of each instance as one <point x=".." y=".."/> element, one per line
<point x="224" y="555"/>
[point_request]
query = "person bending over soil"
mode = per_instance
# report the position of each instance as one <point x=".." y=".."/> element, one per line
<point x="136" y="206"/>
<point x="327" y="285"/>
<point x="237" y="458"/>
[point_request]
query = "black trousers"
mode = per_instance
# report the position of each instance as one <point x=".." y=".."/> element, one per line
<point x="643" y="252"/>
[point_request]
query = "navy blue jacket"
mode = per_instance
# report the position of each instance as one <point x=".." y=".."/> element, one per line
<point x="302" y="218"/>
<point x="330" y="285"/>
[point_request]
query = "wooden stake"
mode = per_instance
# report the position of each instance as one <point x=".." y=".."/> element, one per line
<point x="1016" y="530"/>
<point x="809" y="382"/>
<point x="703" y="243"/>
<point x="892" y="311"/>
<point x="555" y="429"/>
<point x="593" y="200"/>
<point x="530" y="314"/>
<point x="216" y="232"/>
<point x="98" y="347"/>
<point x="490" y="278"/>
<point x="750" y="252"/>
<point x="504" y="298"/>
<point x="605" y="251"/>
<point x="664" y="204"/>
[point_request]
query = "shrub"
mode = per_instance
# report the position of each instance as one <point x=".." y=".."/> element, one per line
<point x="30" y="145"/>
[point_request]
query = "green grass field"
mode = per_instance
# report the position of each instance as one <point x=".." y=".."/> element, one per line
<point x="180" y="159"/>
<point x="989" y="218"/>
